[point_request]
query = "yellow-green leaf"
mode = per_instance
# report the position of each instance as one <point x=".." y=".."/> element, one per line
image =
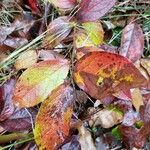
<point x="37" y="82"/>
<point x="91" y="34"/>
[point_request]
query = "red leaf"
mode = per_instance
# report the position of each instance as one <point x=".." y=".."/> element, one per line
<point x="92" y="10"/>
<point x="53" y="119"/>
<point x="102" y="74"/>
<point x="132" y="42"/>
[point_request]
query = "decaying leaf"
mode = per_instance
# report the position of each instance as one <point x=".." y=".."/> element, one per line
<point x="58" y="30"/>
<point x="102" y="74"/>
<point x="85" y="139"/>
<point x="53" y="119"/>
<point x="63" y="4"/>
<point x="146" y="64"/>
<point x="37" y="82"/>
<point x="137" y="98"/>
<point x="26" y="59"/>
<point x="106" y="118"/>
<point x="92" y="10"/>
<point x="20" y="120"/>
<point x="71" y="144"/>
<point x="92" y="34"/>
<point x="132" y="42"/>
<point x="6" y="104"/>
<point x="15" y="42"/>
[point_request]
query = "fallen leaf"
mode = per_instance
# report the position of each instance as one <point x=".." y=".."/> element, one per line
<point x="137" y="98"/>
<point x="37" y="82"/>
<point x="85" y="139"/>
<point x="109" y="48"/>
<point x="53" y="120"/>
<point x="63" y="4"/>
<point x="106" y="118"/>
<point x="48" y="55"/>
<point x="6" y="104"/>
<point x="15" y="42"/>
<point x="102" y="74"/>
<point x="26" y="59"/>
<point x="132" y="42"/>
<point x="80" y="52"/>
<point x="134" y="137"/>
<point x="146" y="64"/>
<point x="92" y="10"/>
<point x="92" y="34"/>
<point x="71" y="144"/>
<point x="125" y="95"/>
<point x="20" y="120"/>
<point x="58" y="30"/>
<point x="4" y="32"/>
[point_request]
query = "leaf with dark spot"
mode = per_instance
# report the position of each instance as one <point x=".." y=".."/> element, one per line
<point x="102" y="74"/>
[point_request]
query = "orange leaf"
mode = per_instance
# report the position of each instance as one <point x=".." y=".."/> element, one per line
<point x="53" y="120"/>
<point x="101" y="74"/>
<point x="37" y="82"/>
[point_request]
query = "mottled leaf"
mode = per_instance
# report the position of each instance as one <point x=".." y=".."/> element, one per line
<point x="37" y="82"/>
<point x="53" y="119"/>
<point x="20" y="120"/>
<point x="6" y="104"/>
<point x="92" y="34"/>
<point x="132" y="42"/>
<point x="102" y="74"/>
<point x="63" y="4"/>
<point x="58" y="30"/>
<point x="92" y="10"/>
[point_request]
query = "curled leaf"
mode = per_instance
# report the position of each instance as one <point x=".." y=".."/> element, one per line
<point x="37" y="82"/>
<point x="102" y="74"/>
<point x="53" y="119"/>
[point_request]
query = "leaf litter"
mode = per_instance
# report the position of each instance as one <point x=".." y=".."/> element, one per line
<point x="74" y="74"/>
